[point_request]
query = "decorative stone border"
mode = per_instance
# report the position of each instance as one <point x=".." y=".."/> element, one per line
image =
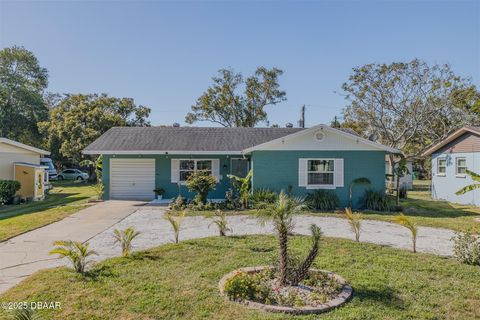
<point x="345" y="295"/>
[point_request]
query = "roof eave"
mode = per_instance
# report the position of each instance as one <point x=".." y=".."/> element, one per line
<point x="152" y="152"/>
<point x="449" y="139"/>
<point x="24" y="146"/>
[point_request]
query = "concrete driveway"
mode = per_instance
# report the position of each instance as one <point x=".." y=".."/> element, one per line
<point x="25" y="254"/>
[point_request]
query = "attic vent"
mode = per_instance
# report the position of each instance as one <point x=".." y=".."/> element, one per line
<point x="176" y="125"/>
<point x="289" y="125"/>
<point x="319" y="136"/>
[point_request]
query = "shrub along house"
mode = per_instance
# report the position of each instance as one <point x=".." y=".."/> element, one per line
<point x="450" y="159"/>
<point x="138" y="159"/>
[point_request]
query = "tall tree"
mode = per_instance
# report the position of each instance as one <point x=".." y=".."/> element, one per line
<point x="406" y="105"/>
<point x="77" y="120"/>
<point x="22" y="83"/>
<point x="223" y="104"/>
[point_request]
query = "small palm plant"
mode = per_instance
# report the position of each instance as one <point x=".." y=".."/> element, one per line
<point x="243" y="186"/>
<point x="357" y="181"/>
<point x="355" y="221"/>
<point x="302" y="272"/>
<point x="25" y="314"/>
<point x="220" y="221"/>
<point x="176" y="222"/>
<point x="408" y="223"/>
<point x="125" y="238"/>
<point x="475" y="177"/>
<point x="98" y="189"/>
<point x="74" y="251"/>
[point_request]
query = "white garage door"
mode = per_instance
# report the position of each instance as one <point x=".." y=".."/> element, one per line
<point x="132" y="179"/>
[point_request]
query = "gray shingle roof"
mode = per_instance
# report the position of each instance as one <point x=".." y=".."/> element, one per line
<point x="185" y="138"/>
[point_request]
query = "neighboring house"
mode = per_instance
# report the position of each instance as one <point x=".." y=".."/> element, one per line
<point x="138" y="159"/>
<point x="405" y="180"/>
<point x="450" y="160"/>
<point x="21" y="162"/>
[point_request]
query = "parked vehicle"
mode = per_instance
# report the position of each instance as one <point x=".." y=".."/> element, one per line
<point x="52" y="172"/>
<point x="72" y="174"/>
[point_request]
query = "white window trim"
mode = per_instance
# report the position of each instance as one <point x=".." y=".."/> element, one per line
<point x="321" y="186"/>
<point x="441" y="174"/>
<point x="194" y="170"/>
<point x="460" y="175"/>
<point x="231" y="166"/>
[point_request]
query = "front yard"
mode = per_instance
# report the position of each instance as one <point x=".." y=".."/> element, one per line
<point x="65" y="198"/>
<point x="180" y="282"/>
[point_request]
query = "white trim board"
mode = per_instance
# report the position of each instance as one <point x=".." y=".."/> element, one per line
<point x="24" y="146"/>
<point x="164" y="152"/>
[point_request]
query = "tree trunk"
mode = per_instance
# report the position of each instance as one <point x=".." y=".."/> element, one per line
<point x="302" y="271"/>
<point x="391" y="160"/>
<point x="283" y="266"/>
<point x="398" y="190"/>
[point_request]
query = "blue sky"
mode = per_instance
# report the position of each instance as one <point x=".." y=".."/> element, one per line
<point x="163" y="54"/>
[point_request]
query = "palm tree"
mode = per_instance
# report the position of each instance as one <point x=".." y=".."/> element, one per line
<point x="74" y="251"/>
<point x="354" y="182"/>
<point x="281" y="214"/>
<point x="25" y="314"/>
<point x="176" y="222"/>
<point x="475" y="177"/>
<point x="221" y="222"/>
<point x="125" y="238"/>
<point x="354" y="219"/>
<point x="243" y="186"/>
<point x="408" y="223"/>
<point x="302" y="272"/>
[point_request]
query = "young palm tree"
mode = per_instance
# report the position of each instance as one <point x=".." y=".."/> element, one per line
<point x="357" y="181"/>
<point x="281" y="214"/>
<point x="354" y="219"/>
<point x="220" y="221"/>
<point x="475" y="177"/>
<point x="243" y="187"/>
<point x="176" y="222"/>
<point x="408" y="223"/>
<point x="25" y="314"/>
<point x="74" y="251"/>
<point x="125" y="238"/>
<point x="302" y="272"/>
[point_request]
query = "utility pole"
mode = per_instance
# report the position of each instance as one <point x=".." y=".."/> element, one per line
<point x="301" y="122"/>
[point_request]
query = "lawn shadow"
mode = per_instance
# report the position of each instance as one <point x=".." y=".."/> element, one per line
<point x="145" y="255"/>
<point x="385" y="296"/>
<point x="99" y="272"/>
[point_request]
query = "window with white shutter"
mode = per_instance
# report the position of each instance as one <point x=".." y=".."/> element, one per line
<point x="320" y="173"/>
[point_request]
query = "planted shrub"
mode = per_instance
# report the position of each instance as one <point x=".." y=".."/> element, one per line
<point x="74" y="251"/>
<point x="322" y="200"/>
<point x="355" y="221"/>
<point x="220" y="221"/>
<point x="408" y="223"/>
<point x="179" y="203"/>
<point x="175" y="222"/>
<point x="262" y="197"/>
<point x="376" y="200"/>
<point x="202" y="183"/>
<point x="466" y="248"/>
<point x="8" y="188"/>
<point x="125" y="238"/>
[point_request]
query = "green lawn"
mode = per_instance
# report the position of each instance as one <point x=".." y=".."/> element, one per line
<point x="64" y="199"/>
<point x="180" y="282"/>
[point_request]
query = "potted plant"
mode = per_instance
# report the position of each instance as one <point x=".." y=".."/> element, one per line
<point x="159" y="193"/>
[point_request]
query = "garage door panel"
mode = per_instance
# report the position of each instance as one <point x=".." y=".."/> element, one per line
<point x="132" y="179"/>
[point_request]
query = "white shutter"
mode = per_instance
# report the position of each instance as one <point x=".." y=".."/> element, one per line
<point x="175" y="170"/>
<point x="302" y="172"/>
<point x="339" y="172"/>
<point x="216" y="169"/>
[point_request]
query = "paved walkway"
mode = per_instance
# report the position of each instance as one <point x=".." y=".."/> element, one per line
<point x="23" y="255"/>
<point x="28" y="253"/>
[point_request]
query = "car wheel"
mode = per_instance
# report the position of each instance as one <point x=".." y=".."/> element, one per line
<point x="79" y="179"/>
<point x="60" y="178"/>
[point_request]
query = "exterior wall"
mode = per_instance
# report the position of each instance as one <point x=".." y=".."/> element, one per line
<point x="26" y="176"/>
<point x="467" y="142"/>
<point x="10" y="154"/>
<point x="163" y="174"/>
<point x="277" y="170"/>
<point x="444" y="187"/>
<point x="405" y="180"/>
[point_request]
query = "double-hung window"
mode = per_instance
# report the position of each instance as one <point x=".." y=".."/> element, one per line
<point x="461" y="167"/>
<point x="187" y="167"/>
<point x="441" y="166"/>
<point x="320" y="172"/>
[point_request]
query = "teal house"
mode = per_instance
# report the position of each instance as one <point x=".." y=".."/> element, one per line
<point x="139" y="159"/>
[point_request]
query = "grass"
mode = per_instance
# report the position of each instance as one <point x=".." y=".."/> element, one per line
<point x="419" y="206"/>
<point x="64" y="199"/>
<point x="180" y="282"/>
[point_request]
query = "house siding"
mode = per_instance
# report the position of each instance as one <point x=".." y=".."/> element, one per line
<point x="468" y="142"/>
<point x="444" y="187"/>
<point x="277" y="170"/>
<point x="163" y="174"/>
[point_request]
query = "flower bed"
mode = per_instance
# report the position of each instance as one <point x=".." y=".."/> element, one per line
<point x="257" y="287"/>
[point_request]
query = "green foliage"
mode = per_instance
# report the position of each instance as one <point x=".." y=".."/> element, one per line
<point x="99" y="189"/>
<point x="242" y="286"/>
<point x="376" y="200"/>
<point x="222" y="104"/>
<point x="8" y="188"/>
<point x="125" y="238"/>
<point x="74" y="251"/>
<point x="357" y="181"/>
<point x="262" y="197"/>
<point x="25" y="314"/>
<point x="323" y="200"/>
<point x="22" y="84"/>
<point x="466" y="248"/>
<point x="159" y="191"/>
<point x="242" y="186"/>
<point x="202" y="183"/>
<point x="77" y="120"/>
<point x="175" y="222"/>
<point x="355" y="221"/>
<point x="220" y="220"/>
<point x="408" y="223"/>
<point x="471" y="187"/>
<point x="179" y="203"/>
<point x="403" y="192"/>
